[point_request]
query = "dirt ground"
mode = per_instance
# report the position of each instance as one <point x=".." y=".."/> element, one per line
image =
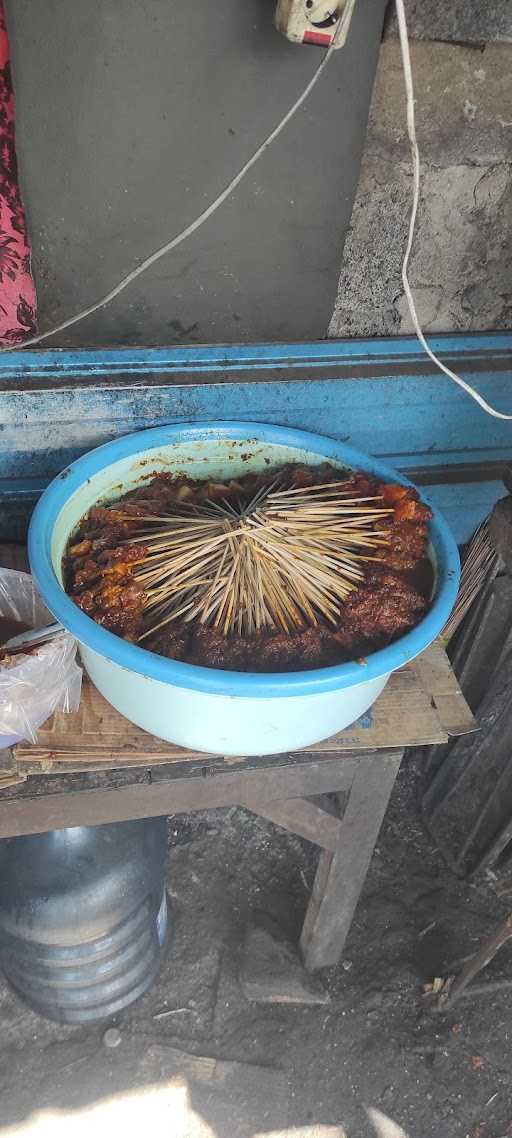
<point x="307" y="1072"/>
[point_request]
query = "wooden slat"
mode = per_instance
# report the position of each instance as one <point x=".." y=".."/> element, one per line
<point x="75" y="800"/>
<point x="301" y="816"/>
<point x="340" y="875"/>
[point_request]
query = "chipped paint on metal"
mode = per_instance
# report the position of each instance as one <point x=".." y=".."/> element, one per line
<point x="382" y="396"/>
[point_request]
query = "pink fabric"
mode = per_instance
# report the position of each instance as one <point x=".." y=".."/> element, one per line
<point x="18" y="305"/>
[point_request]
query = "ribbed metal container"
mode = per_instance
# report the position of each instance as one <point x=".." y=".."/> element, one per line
<point x="83" y="917"/>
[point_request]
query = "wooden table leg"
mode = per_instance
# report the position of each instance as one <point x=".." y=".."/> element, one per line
<point x="340" y="875"/>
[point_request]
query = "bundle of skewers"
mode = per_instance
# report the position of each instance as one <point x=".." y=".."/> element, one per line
<point x="296" y="568"/>
<point x="286" y="558"/>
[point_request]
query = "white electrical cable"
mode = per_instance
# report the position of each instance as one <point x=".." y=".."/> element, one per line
<point x="194" y="226"/>
<point x="411" y="130"/>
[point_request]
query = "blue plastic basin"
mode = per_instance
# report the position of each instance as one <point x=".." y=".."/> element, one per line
<point x="205" y="708"/>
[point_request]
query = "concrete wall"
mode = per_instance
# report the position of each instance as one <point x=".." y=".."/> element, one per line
<point x="456" y="21"/>
<point x="133" y="115"/>
<point x="461" y="267"/>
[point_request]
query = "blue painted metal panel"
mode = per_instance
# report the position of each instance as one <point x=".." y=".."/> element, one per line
<point x="382" y="396"/>
<point x="66" y="363"/>
<point x="400" y="419"/>
<point x="465" y="505"/>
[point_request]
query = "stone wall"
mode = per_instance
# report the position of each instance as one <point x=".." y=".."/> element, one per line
<point x="456" y="21"/>
<point x="461" y="266"/>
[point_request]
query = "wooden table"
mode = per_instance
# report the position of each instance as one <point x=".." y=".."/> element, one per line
<point x="335" y="798"/>
<point x="334" y="794"/>
<point x="290" y="790"/>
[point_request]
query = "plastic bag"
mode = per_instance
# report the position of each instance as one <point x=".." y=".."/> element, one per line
<point x="47" y="680"/>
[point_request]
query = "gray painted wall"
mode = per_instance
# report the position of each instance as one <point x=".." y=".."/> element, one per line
<point x="133" y="114"/>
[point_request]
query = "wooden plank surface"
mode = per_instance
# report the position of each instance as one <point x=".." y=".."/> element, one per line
<point x="53" y="802"/>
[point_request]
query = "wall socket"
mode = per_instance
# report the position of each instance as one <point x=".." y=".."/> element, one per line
<point x="321" y="22"/>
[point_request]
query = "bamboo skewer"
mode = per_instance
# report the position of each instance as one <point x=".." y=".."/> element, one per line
<point x="288" y="558"/>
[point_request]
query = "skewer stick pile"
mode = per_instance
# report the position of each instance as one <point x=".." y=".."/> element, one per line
<point x="479" y="565"/>
<point x="287" y="559"/>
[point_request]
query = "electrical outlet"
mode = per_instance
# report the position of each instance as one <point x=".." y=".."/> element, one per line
<point x="322" y="22"/>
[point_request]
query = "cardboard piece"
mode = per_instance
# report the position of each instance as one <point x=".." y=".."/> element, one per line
<point x="421" y="704"/>
<point x="9" y="774"/>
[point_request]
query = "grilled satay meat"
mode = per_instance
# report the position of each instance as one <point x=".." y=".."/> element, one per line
<point x="100" y="566"/>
